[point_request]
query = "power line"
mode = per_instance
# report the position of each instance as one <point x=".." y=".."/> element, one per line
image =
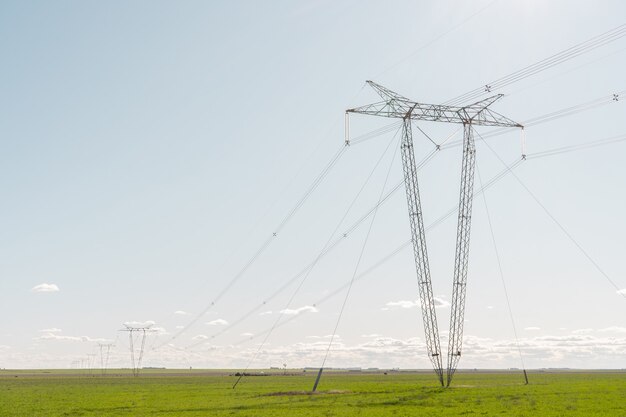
<point x="501" y="273"/>
<point x="266" y="244"/>
<point x="437" y="37"/>
<point x="557" y="114"/>
<point x="533" y="121"/>
<point x="560" y="226"/>
<point x="546" y="63"/>
<point x="321" y="176"/>
<point x="484" y="186"/>
<point x="393" y="253"/>
<point x="578" y="147"/>
<point x="346" y="233"/>
<point x="560" y="74"/>
<point x="356" y="269"/>
<point x="317" y="259"/>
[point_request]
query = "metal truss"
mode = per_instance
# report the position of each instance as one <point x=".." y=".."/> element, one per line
<point x="418" y="237"/>
<point x="136" y="365"/>
<point x="394" y="105"/>
<point x="459" y="283"/>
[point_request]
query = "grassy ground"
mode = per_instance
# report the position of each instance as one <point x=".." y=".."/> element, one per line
<point x="184" y="393"/>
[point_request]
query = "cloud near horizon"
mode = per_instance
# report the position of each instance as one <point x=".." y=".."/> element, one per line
<point x="181" y="313"/>
<point x="217" y="322"/>
<point x="54" y="336"/>
<point x="147" y="323"/>
<point x="51" y="330"/>
<point x="45" y="287"/>
<point x="394" y="305"/>
<point x="303" y="309"/>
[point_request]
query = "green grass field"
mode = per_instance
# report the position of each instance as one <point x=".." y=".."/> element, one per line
<point x="209" y="393"/>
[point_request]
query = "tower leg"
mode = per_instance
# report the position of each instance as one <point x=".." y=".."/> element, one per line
<point x="132" y="352"/>
<point x="459" y="287"/>
<point x="418" y="238"/>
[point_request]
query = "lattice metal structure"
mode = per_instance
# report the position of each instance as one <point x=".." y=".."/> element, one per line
<point x="136" y="365"/>
<point x="104" y="357"/>
<point x="394" y="105"/>
<point x="418" y="237"/>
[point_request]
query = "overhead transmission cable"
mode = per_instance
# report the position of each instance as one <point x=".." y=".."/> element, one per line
<point x="354" y="274"/>
<point x="546" y="63"/>
<point x="390" y="255"/>
<point x="320" y="177"/>
<point x="493" y="180"/>
<point x="537" y="120"/>
<point x="507" y="169"/>
<point x="347" y="232"/>
<point x="437" y="37"/>
<point x="266" y="243"/>
<point x="557" y="114"/>
<point x="562" y="73"/>
<point x="501" y="274"/>
<point x="560" y="225"/>
<point x="317" y="259"/>
<point x="577" y="147"/>
<point x="528" y="71"/>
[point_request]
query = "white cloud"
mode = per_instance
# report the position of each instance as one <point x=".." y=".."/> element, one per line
<point x="582" y="331"/>
<point x="158" y="331"/>
<point x="45" y="287"/>
<point x="393" y="305"/>
<point x="489" y="307"/>
<point x="403" y="304"/>
<point x="147" y="323"/>
<point x="53" y="336"/>
<point x="265" y="313"/>
<point x="304" y="309"/>
<point x="180" y="327"/>
<point x="569" y="350"/>
<point x="217" y="322"/>
<point x="181" y="313"/>
<point x="622" y="291"/>
<point x="371" y="335"/>
<point x="613" y="329"/>
<point x="51" y="330"/>
<point x="200" y="337"/>
<point x="531" y="328"/>
<point x="247" y="334"/>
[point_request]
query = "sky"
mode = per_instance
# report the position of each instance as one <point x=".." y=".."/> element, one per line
<point x="150" y="150"/>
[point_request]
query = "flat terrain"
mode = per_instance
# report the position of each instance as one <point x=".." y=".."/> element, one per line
<point x="210" y="393"/>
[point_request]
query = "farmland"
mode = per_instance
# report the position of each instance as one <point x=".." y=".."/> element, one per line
<point x="210" y="393"/>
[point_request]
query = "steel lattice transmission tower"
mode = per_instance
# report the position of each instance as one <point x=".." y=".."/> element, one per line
<point x="136" y="365"/>
<point x="104" y="358"/>
<point x="396" y="106"/>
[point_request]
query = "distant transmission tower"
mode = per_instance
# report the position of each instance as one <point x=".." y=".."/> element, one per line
<point x="104" y="357"/>
<point x="396" y="106"/>
<point x="91" y="359"/>
<point x="136" y="365"/>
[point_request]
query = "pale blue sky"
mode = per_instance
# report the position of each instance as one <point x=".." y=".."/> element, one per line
<point x="148" y="149"/>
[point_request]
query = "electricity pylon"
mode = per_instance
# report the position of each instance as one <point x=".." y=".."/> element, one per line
<point x="136" y="365"/>
<point x="104" y="361"/>
<point x="396" y="106"/>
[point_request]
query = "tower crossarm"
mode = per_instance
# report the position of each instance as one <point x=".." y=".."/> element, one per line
<point x="396" y="106"/>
